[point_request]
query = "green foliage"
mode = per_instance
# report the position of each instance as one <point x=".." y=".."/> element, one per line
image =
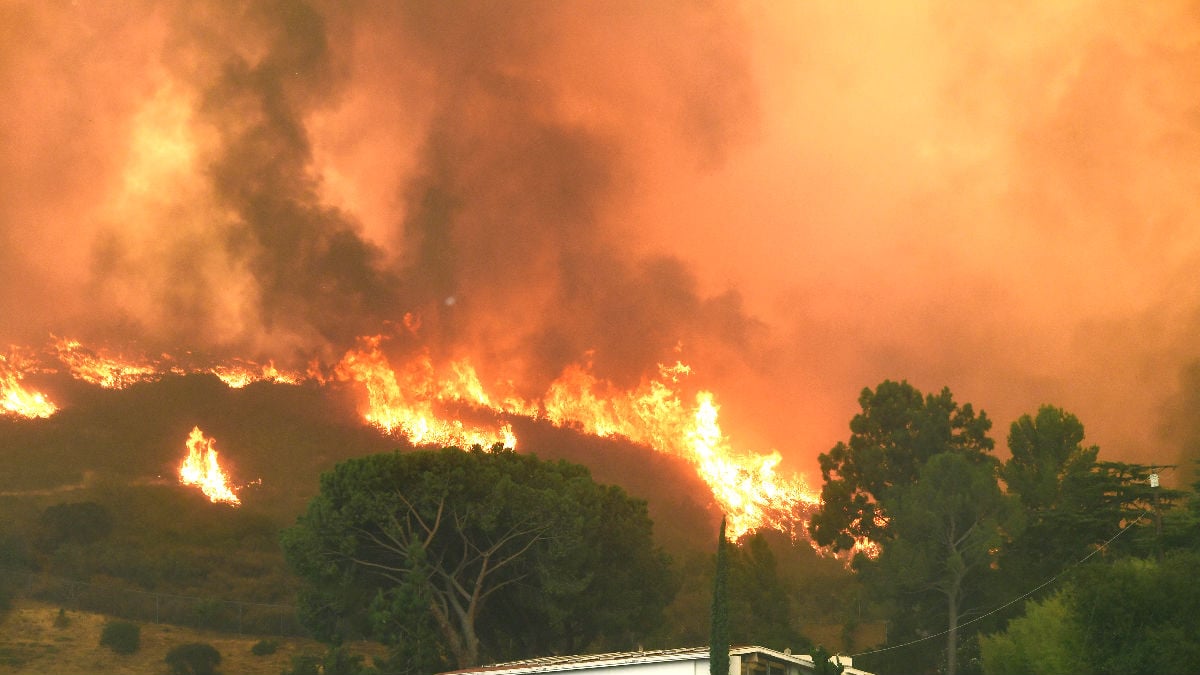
<point x="452" y="557"/>
<point x="719" y="641"/>
<point x="193" y="658"/>
<point x="123" y="637"/>
<point x="1140" y="616"/>
<point x="897" y="432"/>
<point x="759" y="605"/>
<point x="1047" y="640"/>
<point x="265" y="647"/>
<point x="947" y="528"/>
<point x="339" y="661"/>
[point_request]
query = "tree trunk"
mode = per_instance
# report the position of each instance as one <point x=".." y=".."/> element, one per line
<point x="952" y="632"/>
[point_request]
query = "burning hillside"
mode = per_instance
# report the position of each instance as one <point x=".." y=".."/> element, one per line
<point x="418" y="399"/>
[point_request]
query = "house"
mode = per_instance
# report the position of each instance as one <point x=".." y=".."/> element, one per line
<point x="691" y="661"/>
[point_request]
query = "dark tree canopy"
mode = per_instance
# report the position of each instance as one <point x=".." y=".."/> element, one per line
<point x="948" y="526"/>
<point x="897" y="432"/>
<point x="453" y="557"/>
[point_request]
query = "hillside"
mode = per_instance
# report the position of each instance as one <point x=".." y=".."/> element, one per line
<point x="31" y="643"/>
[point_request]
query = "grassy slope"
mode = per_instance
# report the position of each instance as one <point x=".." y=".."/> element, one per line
<point x="30" y="643"/>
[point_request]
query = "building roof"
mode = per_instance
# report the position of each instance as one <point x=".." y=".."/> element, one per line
<point x="547" y="664"/>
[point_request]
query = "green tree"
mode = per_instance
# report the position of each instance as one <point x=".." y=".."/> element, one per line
<point x="1047" y="640"/>
<point x="1140" y="616"/>
<point x="193" y="658"/>
<point x="718" y="644"/>
<point x="451" y="556"/>
<point x="123" y="637"/>
<point x="1063" y="492"/>
<point x="897" y="432"/>
<point x="759" y="607"/>
<point x="947" y="526"/>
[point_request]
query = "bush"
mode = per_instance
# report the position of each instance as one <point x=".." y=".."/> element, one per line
<point x="264" y="647"/>
<point x="62" y="620"/>
<point x="122" y="637"/>
<point x="194" y="658"/>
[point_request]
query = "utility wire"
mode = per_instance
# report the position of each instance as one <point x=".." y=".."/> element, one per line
<point x="1015" y="600"/>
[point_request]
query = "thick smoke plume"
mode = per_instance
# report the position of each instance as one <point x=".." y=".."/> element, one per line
<point x="799" y="200"/>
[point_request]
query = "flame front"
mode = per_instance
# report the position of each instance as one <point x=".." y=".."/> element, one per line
<point x="746" y="486"/>
<point x="202" y="469"/>
<point x="100" y="370"/>
<point x="403" y="401"/>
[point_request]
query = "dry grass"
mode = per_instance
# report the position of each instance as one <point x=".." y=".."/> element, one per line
<point x="31" y="643"/>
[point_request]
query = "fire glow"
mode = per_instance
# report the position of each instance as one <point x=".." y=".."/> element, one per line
<point x="202" y="469"/>
<point x="15" y="398"/>
<point x="411" y="400"/>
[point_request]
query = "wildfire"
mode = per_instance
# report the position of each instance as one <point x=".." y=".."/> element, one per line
<point x="117" y="372"/>
<point x="746" y="486"/>
<point x="241" y="373"/>
<point x="202" y="469"/>
<point x="101" y="370"/>
<point x="403" y="401"/>
<point x="418" y="400"/>
<point x="15" y="398"/>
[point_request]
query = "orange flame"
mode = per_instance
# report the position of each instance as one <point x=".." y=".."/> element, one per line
<point x="116" y="372"/>
<point x="241" y="373"/>
<point x="15" y="399"/>
<point x="412" y="401"/>
<point x="202" y="469"/>
<point x="103" y="371"/>
<point x="746" y="486"/>
<point x="403" y="401"/>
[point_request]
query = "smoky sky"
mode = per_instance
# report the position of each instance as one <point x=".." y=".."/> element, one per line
<point x="797" y="199"/>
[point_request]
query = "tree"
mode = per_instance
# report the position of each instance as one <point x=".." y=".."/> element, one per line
<point x="193" y="658"/>
<point x="759" y="607"/>
<point x="947" y="526"/>
<point x="451" y="556"/>
<point x="1139" y="616"/>
<point x="1047" y="640"/>
<point x="718" y="644"/>
<point x="1062" y="493"/>
<point x="897" y="432"/>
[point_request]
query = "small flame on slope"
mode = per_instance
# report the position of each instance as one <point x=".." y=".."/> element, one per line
<point x="202" y="469"/>
<point x="15" y="398"/>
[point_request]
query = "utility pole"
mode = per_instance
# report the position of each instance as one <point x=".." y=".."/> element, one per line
<point x="1158" y="549"/>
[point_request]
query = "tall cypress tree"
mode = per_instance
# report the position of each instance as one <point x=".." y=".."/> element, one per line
<point x="718" y="644"/>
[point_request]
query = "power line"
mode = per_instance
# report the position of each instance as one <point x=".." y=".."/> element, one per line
<point x="1015" y="600"/>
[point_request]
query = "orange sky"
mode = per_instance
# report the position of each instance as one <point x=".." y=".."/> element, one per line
<point x="804" y="198"/>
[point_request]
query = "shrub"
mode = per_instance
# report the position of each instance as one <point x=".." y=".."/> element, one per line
<point x="62" y="620"/>
<point x="264" y="647"/>
<point x="122" y="637"/>
<point x="194" y="658"/>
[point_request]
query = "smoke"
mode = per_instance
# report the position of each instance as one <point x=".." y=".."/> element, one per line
<point x="798" y="200"/>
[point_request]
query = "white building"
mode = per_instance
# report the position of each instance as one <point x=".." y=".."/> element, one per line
<point x="692" y="661"/>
